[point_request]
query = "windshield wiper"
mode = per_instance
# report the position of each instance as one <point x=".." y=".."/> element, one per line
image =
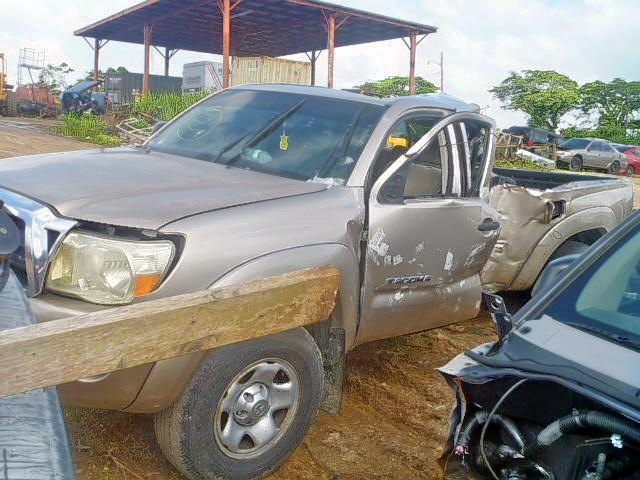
<point x="621" y="339"/>
<point x="228" y="147"/>
<point x="269" y="127"/>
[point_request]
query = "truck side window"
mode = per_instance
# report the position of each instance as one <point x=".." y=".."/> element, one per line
<point x="474" y="142"/>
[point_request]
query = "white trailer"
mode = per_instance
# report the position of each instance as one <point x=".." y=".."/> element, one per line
<point x="201" y="77"/>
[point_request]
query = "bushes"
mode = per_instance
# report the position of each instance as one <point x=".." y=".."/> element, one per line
<point x="612" y="133"/>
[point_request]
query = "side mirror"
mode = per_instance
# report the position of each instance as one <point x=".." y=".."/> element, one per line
<point x="553" y="272"/>
<point x="157" y="126"/>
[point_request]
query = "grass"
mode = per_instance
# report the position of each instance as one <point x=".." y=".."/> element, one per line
<point x="88" y="128"/>
<point x="165" y="106"/>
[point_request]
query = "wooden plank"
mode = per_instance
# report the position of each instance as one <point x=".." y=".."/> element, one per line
<point x="68" y="349"/>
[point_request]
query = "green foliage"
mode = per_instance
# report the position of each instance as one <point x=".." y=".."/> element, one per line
<point x="612" y="133"/>
<point x="519" y="163"/>
<point x="395" y="87"/>
<point x="55" y="76"/>
<point x="544" y="95"/>
<point x="614" y="102"/>
<point x="101" y="74"/>
<point x="88" y="128"/>
<point x="165" y="106"/>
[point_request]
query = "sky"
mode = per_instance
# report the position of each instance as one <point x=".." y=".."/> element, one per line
<point x="482" y="41"/>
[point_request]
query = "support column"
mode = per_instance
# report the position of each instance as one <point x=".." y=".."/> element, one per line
<point x="313" y="56"/>
<point x="96" y="59"/>
<point x="226" y="42"/>
<point x="167" y="58"/>
<point x="331" y="45"/>
<point x="146" y="81"/>
<point x="412" y="63"/>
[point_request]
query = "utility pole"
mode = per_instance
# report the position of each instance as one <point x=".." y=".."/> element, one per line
<point x="441" y="65"/>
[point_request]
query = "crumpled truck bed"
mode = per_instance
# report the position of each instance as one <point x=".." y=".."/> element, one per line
<point x="537" y="221"/>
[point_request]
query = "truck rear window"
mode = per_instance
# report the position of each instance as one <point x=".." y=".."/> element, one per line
<point x="296" y="136"/>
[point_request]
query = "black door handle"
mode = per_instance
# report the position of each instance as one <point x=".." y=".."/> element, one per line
<point x="488" y="226"/>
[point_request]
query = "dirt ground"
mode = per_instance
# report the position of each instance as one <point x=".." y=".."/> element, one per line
<point x="393" y="419"/>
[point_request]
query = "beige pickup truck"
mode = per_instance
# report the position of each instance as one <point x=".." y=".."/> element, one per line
<point x="258" y="180"/>
<point x="546" y="216"/>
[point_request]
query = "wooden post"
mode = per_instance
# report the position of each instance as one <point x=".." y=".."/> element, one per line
<point x="412" y="63"/>
<point x="167" y="59"/>
<point x="96" y="59"/>
<point x="146" y="81"/>
<point x="68" y="349"/>
<point x="331" y="44"/>
<point x="226" y="42"/>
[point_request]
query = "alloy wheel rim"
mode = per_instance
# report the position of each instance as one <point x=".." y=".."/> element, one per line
<point x="257" y="408"/>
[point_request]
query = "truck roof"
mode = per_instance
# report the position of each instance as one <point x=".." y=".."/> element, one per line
<point x="433" y="100"/>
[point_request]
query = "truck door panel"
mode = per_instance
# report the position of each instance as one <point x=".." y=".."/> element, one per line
<point x="430" y="233"/>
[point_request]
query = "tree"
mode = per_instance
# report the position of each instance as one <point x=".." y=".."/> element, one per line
<point x="101" y="74"/>
<point x="544" y="95"/>
<point x="55" y="76"/>
<point x="395" y="87"/>
<point x="615" y="102"/>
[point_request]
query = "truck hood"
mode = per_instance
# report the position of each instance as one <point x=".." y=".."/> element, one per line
<point x="136" y="188"/>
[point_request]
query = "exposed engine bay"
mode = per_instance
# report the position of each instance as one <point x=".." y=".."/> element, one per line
<point x="511" y="428"/>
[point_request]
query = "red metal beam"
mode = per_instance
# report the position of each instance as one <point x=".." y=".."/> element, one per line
<point x="335" y="9"/>
<point x="412" y="63"/>
<point x="146" y="81"/>
<point x="226" y="42"/>
<point x="331" y="45"/>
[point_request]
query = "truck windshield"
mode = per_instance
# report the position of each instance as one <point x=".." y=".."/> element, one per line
<point x="574" y="144"/>
<point x="296" y="136"/>
<point x="605" y="298"/>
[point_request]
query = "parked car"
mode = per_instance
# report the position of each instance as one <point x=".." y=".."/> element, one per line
<point x="80" y="98"/>
<point x="632" y="153"/>
<point x="264" y="179"/>
<point x="577" y="153"/>
<point x="556" y="396"/>
<point x="535" y="136"/>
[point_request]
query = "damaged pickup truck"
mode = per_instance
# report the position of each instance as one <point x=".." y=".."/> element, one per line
<point x="260" y="180"/>
<point x="558" y="395"/>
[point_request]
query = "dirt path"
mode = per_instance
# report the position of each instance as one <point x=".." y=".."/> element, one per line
<point x="29" y="136"/>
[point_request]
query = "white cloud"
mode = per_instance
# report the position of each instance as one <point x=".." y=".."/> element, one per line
<point x="482" y="41"/>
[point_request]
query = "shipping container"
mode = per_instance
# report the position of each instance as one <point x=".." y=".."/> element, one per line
<point x="201" y="77"/>
<point x="269" y="70"/>
<point x="121" y="87"/>
<point x="35" y="94"/>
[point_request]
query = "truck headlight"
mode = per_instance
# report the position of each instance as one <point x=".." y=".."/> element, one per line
<point x="108" y="271"/>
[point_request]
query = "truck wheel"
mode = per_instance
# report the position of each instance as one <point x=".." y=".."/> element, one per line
<point x="576" y="164"/>
<point x="246" y="408"/>
<point x="630" y="171"/>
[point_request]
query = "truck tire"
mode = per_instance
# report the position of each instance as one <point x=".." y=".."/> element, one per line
<point x="232" y="420"/>
<point x="12" y="104"/>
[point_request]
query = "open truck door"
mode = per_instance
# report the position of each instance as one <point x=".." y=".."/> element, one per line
<point x="431" y="230"/>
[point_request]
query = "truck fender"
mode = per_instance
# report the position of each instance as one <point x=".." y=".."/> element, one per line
<point x="595" y="218"/>
<point x="153" y="395"/>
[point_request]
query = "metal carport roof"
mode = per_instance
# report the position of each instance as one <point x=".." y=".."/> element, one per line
<point x="256" y="27"/>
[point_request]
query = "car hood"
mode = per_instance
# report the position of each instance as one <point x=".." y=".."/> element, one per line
<point x="136" y="188"/>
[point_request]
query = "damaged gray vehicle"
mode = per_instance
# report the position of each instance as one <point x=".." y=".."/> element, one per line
<point x="558" y="395"/>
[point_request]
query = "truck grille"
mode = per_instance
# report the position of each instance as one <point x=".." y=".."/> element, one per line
<point x="40" y="233"/>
